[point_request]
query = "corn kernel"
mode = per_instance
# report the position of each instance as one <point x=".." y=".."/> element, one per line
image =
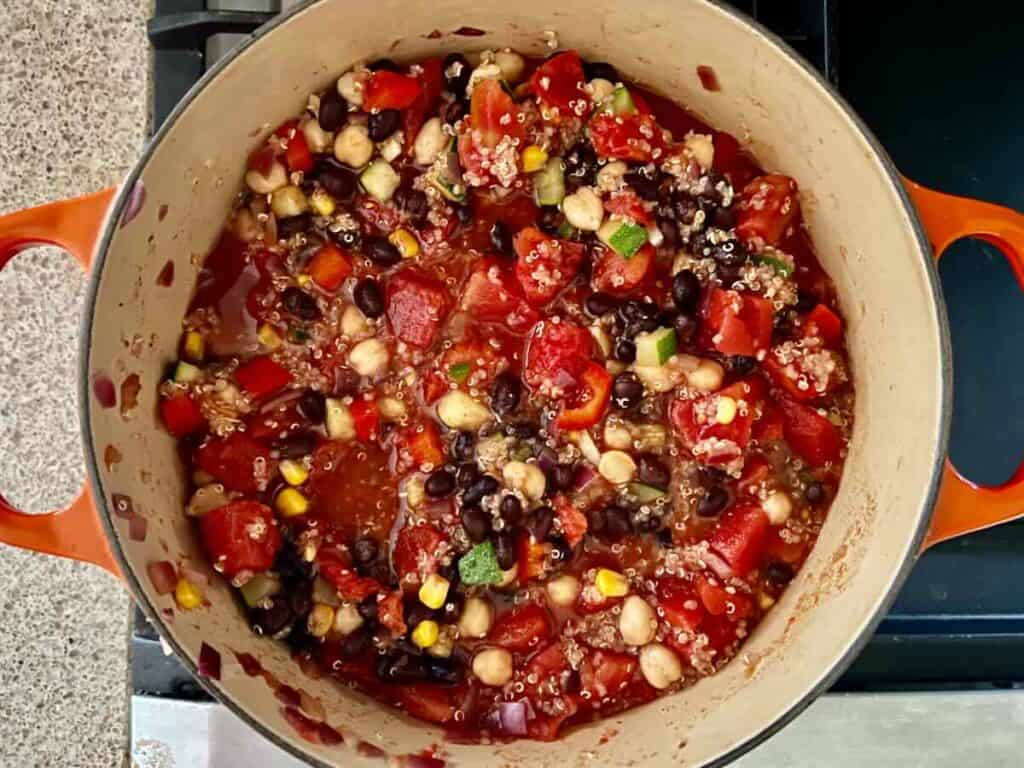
<point x="268" y="337"/>
<point x="322" y="203"/>
<point x="291" y="503"/>
<point x="320" y="620"/>
<point x="187" y="595"/>
<point x="426" y="633"/>
<point x="303" y="280"/>
<point x="193" y="348"/>
<point x="611" y="584"/>
<point x="404" y="241"/>
<point x="726" y="410"/>
<point x="434" y="591"/>
<point x="294" y="472"/>
<point x="534" y="158"/>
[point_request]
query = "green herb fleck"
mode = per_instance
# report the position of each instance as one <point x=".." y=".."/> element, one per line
<point x="628" y="239"/>
<point x="458" y="371"/>
<point x="778" y="265"/>
<point x="480" y="565"/>
<point x="298" y="335"/>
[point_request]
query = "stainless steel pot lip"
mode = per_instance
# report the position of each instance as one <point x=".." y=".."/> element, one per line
<point x="828" y="677"/>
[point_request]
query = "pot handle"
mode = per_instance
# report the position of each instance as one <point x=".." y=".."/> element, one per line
<point x="75" y="531"/>
<point x="964" y="506"/>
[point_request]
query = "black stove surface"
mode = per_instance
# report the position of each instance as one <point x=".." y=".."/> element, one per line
<point x="940" y="96"/>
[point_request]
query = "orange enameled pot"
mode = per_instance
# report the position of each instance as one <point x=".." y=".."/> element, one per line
<point x="898" y="492"/>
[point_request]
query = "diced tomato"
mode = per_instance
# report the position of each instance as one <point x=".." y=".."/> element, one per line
<point x="416" y="552"/>
<point x="285" y="129"/>
<point x="558" y="83"/>
<point x="737" y="323"/>
<point x="418" y="446"/>
<point x="522" y="628"/>
<point x="532" y="557"/>
<point x="434" y="385"/>
<point x="627" y="137"/>
<point x="755" y="471"/>
<point x="740" y="537"/>
<point x="382" y="217"/>
<point x="431" y="80"/>
<point x="262" y="160"/>
<point x="605" y="673"/>
<point x="678" y="602"/>
<point x="768" y="428"/>
<point x="181" y="414"/>
<point x="391" y="614"/>
<point x="556" y="354"/>
<point x="475" y="360"/>
<point x="416" y="306"/>
<point x="767" y="208"/>
<point x="425" y="701"/>
<point x="389" y="90"/>
<point x="825" y="324"/>
<point x="547" y="662"/>
<point x="587" y="404"/>
<point x="620" y="276"/>
<point x="492" y="117"/>
<point x="233" y="461"/>
<point x="297" y="155"/>
<point x="329" y="267"/>
<point x="731" y="161"/>
<point x="780" y="549"/>
<point x="720" y="602"/>
<point x="491" y="295"/>
<point x="628" y="205"/>
<point x="240" y="536"/>
<point x="261" y="376"/>
<point x="366" y="418"/>
<point x="813" y="437"/>
<point x="350" y="585"/>
<point x="790" y="376"/>
<point x="570" y="519"/>
<point x="695" y="420"/>
<point x="545" y="265"/>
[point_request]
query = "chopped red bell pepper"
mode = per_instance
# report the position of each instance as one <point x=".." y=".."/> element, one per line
<point x="737" y="323"/>
<point x="587" y="405"/>
<point x="416" y="552"/>
<point x="556" y="353"/>
<point x="522" y="628"/>
<point x="431" y="80"/>
<point x="262" y="160"/>
<point x="262" y="376"/>
<point x="329" y="267"/>
<point x="637" y="138"/>
<point x="240" y="536"/>
<point x="571" y="520"/>
<point x="341" y="575"/>
<point x="181" y="414"/>
<point x="389" y="90"/>
<point x="605" y="673"/>
<point x="813" y="437"/>
<point x="391" y="614"/>
<point x="558" y="83"/>
<point x="532" y="557"/>
<point x="767" y="207"/>
<point x="297" y="154"/>
<point x="234" y="460"/>
<point x="545" y="265"/>
<point x="678" y="602"/>
<point x="719" y="602"/>
<point x="416" y="306"/>
<point x="825" y="324"/>
<point x="366" y="418"/>
<point x="420" y="446"/>
<point x="740" y="537"/>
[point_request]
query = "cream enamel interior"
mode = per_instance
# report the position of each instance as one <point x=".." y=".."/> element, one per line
<point x="865" y="240"/>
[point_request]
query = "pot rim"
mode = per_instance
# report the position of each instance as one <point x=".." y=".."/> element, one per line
<point x="856" y="644"/>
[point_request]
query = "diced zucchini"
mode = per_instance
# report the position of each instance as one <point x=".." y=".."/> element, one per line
<point x="646" y="494"/>
<point x="566" y="231"/>
<point x="450" y="190"/>
<point x="458" y="371"/>
<point x="622" y="102"/>
<point x="549" y="183"/>
<point x="380" y="180"/>
<point x="586" y="445"/>
<point x="446" y="176"/>
<point x="259" y="588"/>
<point x="778" y="265"/>
<point x="656" y="347"/>
<point x="624" y="237"/>
<point x="185" y="372"/>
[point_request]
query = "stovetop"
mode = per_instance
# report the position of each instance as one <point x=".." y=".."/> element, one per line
<point x="934" y="93"/>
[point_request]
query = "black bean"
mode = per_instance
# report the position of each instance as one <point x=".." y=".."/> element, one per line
<point x="642" y="183"/>
<point x="815" y="492"/>
<point x="369" y="298"/>
<point x="617" y="522"/>
<point x="349" y="238"/>
<point x="452" y="112"/>
<point x="300" y="600"/>
<point x="523" y="430"/>
<point x="727" y="274"/>
<point x="387" y="64"/>
<point x="368" y="608"/>
<point x="501" y="239"/>
<point x="779" y="574"/>
<point x="561" y="552"/>
<point x="365" y="550"/>
<point x="562" y="477"/>
<point x="805" y="301"/>
<point x="312" y="406"/>
<point x="581" y="165"/>
<point x="511" y="509"/>
<point x="456" y="71"/>
<point x="596" y="520"/>
<point x="444" y="671"/>
<point x="686" y="328"/>
<point x="710" y="476"/>
<point x="602" y="69"/>
<point x="401" y="668"/>
<point x="338" y="181"/>
<point x="440" y="483"/>
<point x="381" y="252"/>
<point x="299" y="303"/>
<point x="450" y="573"/>
<point x="382" y="124"/>
<point x="652" y="471"/>
<point x="686" y="290"/>
<point x="464" y="213"/>
<point x="333" y="111"/>
<point x="413" y="203"/>
<point x="599" y="304"/>
<point x="357" y="642"/>
<point x="292" y="567"/>
<point x="505" y="549"/>
<point x="296" y="445"/>
<point x="648" y="524"/>
<point x="485" y="486"/>
<point x="476" y="522"/>
<point x="625" y="351"/>
<point x="273" y="618"/>
<point x="665" y="538"/>
<point x="742" y="365"/>
<point x="715" y="500"/>
<point x="464" y="446"/>
<point x="723" y="218"/>
<point x="466" y="474"/>
<point x="541" y="521"/>
<point x="346" y="381"/>
<point x="288" y="228"/>
<point x="634" y="310"/>
<point x="729" y="253"/>
<point x="454" y="602"/>
<point x="782" y="327"/>
<point x="549" y="220"/>
<point x="669" y="232"/>
<point x="505" y="393"/>
<point x="685" y="208"/>
<point x="627" y="391"/>
<point x="415" y="612"/>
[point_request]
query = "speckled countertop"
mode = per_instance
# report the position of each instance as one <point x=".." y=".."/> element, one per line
<point x="73" y="116"/>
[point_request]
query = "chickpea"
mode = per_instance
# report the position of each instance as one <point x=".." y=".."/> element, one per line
<point x="477" y="617"/>
<point x="660" y="666"/>
<point x="637" y="622"/>
<point x="493" y="666"/>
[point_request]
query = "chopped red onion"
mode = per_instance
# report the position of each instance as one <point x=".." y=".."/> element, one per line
<point x="547" y="460"/>
<point x="209" y="662"/>
<point x="565" y="381"/>
<point x="163" y="576"/>
<point x="512" y="718"/>
<point x="584" y="476"/>
<point x="717" y="563"/>
<point x="134" y="203"/>
<point x="137" y="527"/>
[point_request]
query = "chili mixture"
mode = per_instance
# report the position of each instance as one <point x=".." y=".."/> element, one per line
<point x="512" y="394"/>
